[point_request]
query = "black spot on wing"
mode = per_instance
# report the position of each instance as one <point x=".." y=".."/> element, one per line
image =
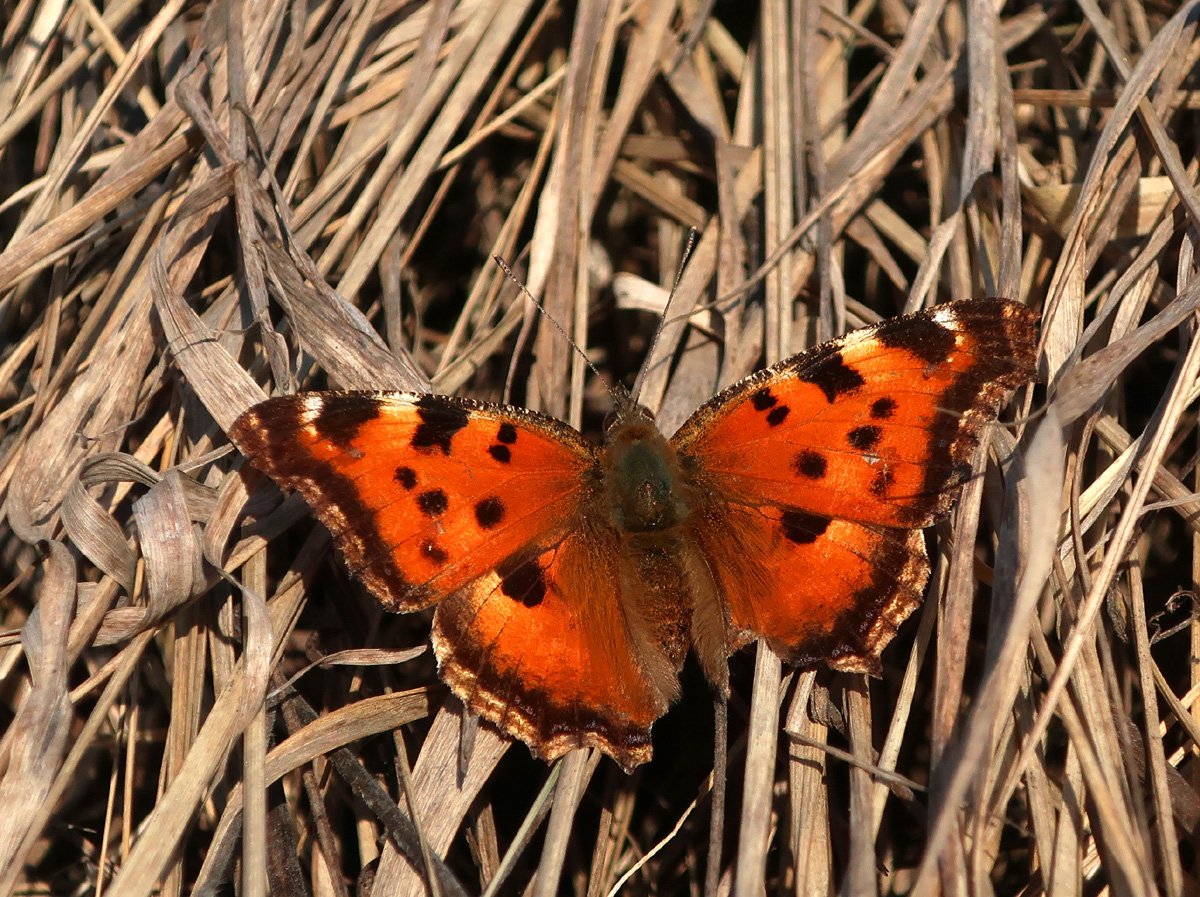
<point x="489" y="512"/>
<point x="833" y="377"/>
<point x="522" y="580"/>
<point x="763" y="400"/>
<point x="341" y="416"/>
<point x="439" y="421"/>
<point x="433" y="502"/>
<point x="500" y="453"/>
<point x="406" y="477"/>
<point x="919" y="335"/>
<point x="507" y="434"/>
<point x="864" y="438"/>
<point x="810" y="465"/>
<point x="882" y="409"/>
<point x="803" y="528"/>
<point x="766" y="401"/>
<point x="434" y="552"/>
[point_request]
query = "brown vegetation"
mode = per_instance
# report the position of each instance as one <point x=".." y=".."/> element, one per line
<point x="201" y="204"/>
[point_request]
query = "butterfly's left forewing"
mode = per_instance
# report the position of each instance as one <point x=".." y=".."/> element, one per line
<point x="422" y="493"/>
<point x="814" y="477"/>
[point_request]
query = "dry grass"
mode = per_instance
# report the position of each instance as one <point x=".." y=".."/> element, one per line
<point x="205" y="203"/>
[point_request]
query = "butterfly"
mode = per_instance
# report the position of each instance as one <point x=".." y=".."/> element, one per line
<point x="571" y="579"/>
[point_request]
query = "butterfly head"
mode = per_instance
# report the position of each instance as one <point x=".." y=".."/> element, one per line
<point x="626" y="411"/>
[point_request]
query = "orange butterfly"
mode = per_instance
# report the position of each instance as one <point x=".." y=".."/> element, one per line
<point x="571" y="580"/>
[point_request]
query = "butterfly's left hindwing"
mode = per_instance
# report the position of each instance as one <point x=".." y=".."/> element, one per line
<point x="551" y="651"/>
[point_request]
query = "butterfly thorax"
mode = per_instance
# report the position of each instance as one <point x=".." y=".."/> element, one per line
<point x="643" y="481"/>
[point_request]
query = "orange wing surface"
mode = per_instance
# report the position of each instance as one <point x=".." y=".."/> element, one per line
<point x="543" y="647"/>
<point x="878" y="426"/>
<point x="423" y="494"/>
<point x="816" y="476"/>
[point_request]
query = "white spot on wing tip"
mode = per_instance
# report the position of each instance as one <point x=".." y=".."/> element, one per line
<point x="310" y="408"/>
<point x="947" y="317"/>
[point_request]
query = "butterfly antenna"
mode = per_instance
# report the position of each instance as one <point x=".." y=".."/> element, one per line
<point x="693" y="234"/>
<point x="621" y="398"/>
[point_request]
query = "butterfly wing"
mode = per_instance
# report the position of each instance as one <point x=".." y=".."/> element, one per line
<point x="422" y="493"/>
<point x="543" y="648"/>
<point x="824" y="461"/>
<point x="818" y="589"/>
<point x="480" y="507"/>
<point x="878" y="426"/>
